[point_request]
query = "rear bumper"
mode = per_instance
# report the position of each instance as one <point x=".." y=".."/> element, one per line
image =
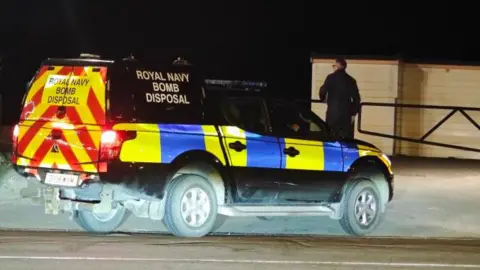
<point x="146" y="178"/>
<point x="88" y="191"/>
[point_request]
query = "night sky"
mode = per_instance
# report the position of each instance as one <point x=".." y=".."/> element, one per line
<point x="257" y="40"/>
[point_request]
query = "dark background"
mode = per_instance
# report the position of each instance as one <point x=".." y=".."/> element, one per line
<point x="257" y="40"/>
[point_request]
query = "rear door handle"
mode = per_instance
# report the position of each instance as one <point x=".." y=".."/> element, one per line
<point x="291" y="151"/>
<point x="237" y="146"/>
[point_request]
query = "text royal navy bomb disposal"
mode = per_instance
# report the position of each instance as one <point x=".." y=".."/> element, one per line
<point x="166" y="88"/>
<point x="65" y="92"/>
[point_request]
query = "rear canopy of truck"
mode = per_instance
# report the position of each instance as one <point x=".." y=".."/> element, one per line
<point x="70" y="91"/>
<point x="63" y="114"/>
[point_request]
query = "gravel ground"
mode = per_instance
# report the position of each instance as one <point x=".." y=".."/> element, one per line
<point x="433" y="198"/>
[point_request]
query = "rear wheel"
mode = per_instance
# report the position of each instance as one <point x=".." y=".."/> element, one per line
<point x="191" y="206"/>
<point x="361" y="208"/>
<point x="101" y="222"/>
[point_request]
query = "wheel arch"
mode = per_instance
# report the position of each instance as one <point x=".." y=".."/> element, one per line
<point x="206" y="165"/>
<point x="374" y="169"/>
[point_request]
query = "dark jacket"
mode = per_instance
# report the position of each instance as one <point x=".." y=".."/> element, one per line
<point x="343" y="98"/>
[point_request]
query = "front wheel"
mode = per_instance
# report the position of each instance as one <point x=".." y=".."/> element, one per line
<point x="361" y="208"/>
<point x="191" y="206"/>
<point x="101" y="222"/>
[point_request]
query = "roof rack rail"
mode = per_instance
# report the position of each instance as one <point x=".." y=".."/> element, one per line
<point x="236" y="84"/>
<point x="89" y="55"/>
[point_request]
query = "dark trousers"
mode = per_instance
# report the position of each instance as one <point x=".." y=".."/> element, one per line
<point x="351" y="131"/>
<point x="342" y="130"/>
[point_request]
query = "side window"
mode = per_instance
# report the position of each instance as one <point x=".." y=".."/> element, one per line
<point x="245" y="113"/>
<point x="291" y="121"/>
<point x="212" y="111"/>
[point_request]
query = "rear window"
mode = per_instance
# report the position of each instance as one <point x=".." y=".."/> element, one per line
<point x="165" y="94"/>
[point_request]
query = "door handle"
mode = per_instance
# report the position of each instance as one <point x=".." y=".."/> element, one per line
<point x="237" y="146"/>
<point x="291" y="151"/>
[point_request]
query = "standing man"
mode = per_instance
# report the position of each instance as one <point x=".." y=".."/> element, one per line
<point x="343" y="100"/>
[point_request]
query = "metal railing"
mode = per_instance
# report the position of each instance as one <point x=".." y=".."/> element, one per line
<point x="423" y="139"/>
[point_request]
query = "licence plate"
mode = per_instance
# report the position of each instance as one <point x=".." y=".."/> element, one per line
<point x="59" y="179"/>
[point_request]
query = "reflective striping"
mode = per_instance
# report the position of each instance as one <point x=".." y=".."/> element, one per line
<point x="22" y="161"/>
<point x="64" y="157"/>
<point x="262" y="151"/>
<point x="33" y="136"/>
<point x="310" y="157"/>
<point x="174" y="143"/>
<point x="183" y="129"/>
<point x="96" y="93"/>
<point x="232" y="135"/>
<point x="27" y="144"/>
<point x="96" y="110"/>
<point x="99" y="81"/>
<point x="353" y="151"/>
<point x="40" y="153"/>
<point x="212" y="143"/>
<point x="162" y="143"/>
<point x="334" y="157"/>
<point x="136" y="127"/>
<point x="145" y="147"/>
<point x="368" y="151"/>
<point x="33" y="108"/>
<point x="81" y="133"/>
<point x="83" y="154"/>
<point x="29" y="130"/>
<point x="209" y="130"/>
<point x="350" y="155"/>
<point x="314" y="155"/>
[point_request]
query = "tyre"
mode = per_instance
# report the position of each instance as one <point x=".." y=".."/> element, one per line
<point x="101" y="223"/>
<point x="361" y="208"/>
<point x="191" y="206"/>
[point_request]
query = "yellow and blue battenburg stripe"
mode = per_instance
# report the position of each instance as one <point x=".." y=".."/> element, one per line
<point x="333" y="153"/>
<point x="162" y="143"/>
<point x="262" y="151"/>
<point x="350" y="154"/>
<point x="178" y="139"/>
<point x="314" y="155"/>
<point x="145" y="148"/>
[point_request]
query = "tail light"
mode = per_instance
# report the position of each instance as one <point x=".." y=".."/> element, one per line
<point x="111" y="143"/>
<point x="15" y="132"/>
